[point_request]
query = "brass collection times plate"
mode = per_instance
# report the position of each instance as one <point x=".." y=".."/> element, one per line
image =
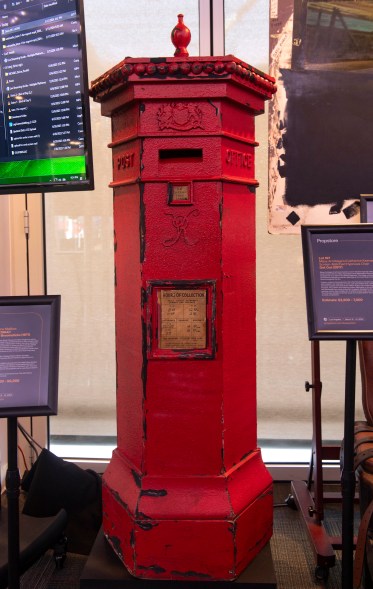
<point x="182" y="319"/>
<point x="180" y="193"/>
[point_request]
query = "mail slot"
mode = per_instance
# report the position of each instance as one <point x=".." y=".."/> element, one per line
<point x="186" y="494"/>
<point x="185" y="155"/>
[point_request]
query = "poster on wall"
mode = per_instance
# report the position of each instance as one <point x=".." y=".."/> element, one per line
<point x="338" y="271"/>
<point x="29" y="350"/>
<point x="321" y="144"/>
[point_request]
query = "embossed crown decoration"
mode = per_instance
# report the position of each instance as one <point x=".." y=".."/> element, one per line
<point x="179" y="116"/>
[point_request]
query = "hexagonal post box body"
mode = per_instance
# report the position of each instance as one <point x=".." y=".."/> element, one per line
<point x="186" y="494"/>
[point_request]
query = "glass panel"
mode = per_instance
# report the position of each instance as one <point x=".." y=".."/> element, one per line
<point x="246" y="31"/>
<point x="79" y="232"/>
<point x="283" y="349"/>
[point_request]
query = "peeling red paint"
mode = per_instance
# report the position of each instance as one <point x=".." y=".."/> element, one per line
<point x="186" y="488"/>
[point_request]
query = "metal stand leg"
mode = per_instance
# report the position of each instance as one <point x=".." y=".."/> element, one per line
<point x="348" y="472"/>
<point x="310" y="505"/>
<point x="317" y="435"/>
<point x="12" y="492"/>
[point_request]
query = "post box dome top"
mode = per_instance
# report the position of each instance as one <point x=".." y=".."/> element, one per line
<point x="181" y="68"/>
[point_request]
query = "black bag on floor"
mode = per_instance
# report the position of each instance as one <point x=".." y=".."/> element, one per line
<point x="52" y="484"/>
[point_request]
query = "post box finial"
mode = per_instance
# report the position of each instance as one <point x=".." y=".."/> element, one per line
<point x="180" y="37"/>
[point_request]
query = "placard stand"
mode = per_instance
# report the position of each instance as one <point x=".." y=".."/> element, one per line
<point x="313" y="514"/>
<point x="348" y="471"/>
<point x="29" y="330"/>
<point x="338" y="264"/>
<point x="309" y="496"/>
<point x="12" y="492"/>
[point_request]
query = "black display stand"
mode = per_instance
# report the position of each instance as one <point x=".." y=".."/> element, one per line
<point x="23" y="539"/>
<point x="104" y="570"/>
<point x="309" y="496"/>
<point x="34" y="323"/>
<point x="312" y="508"/>
<point x="337" y="265"/>
<point x="348" y="471"/>
<point x="36" y="536"/>
<point x="12" y="493"/>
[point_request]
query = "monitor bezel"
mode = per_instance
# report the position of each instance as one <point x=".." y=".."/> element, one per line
<point x="69" y="185"/>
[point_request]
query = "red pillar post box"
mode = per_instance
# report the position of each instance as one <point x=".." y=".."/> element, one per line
<point x="186" y="495"/>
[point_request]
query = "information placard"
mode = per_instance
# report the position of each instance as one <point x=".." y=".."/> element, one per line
<point x="29" y="350"/>
<point x="338" y="266"/>
<point x="181" y="319"/>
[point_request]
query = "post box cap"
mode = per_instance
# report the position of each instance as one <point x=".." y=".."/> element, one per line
<point x="158" y="69"/>
<point x="180" y="37"/>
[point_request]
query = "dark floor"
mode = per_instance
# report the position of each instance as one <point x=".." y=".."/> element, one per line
<point x="293" y="558"/>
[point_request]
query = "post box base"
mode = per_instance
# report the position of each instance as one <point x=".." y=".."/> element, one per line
<point x="188" y="528"/>
<point x="103" y="570"/>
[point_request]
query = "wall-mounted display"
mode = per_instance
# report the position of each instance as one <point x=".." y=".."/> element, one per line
<point x="321" y="145"/>
<point x="29" y="352"/>
<point x="338" y="267"/>
<point x="45" y="137"/>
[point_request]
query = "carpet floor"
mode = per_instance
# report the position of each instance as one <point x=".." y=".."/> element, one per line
<point x="293" y="558"/>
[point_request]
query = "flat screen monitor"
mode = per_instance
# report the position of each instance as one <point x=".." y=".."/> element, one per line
<point x="45" y="136"/>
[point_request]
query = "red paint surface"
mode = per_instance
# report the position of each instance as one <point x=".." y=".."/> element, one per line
<point x="186" y="495"/>
<point x="181" y="36"/>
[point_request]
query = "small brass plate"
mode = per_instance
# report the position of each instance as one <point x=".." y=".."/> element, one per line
<point x="180" y="193"/>
<point x="182" y="319"/>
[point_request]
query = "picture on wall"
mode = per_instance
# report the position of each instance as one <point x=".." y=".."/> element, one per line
<point x="321" y="144"/>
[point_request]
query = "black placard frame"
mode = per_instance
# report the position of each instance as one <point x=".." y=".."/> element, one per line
<point x="312" y="280"/>
<point x="366" y="208"/>
<point x="51" y="307"/>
